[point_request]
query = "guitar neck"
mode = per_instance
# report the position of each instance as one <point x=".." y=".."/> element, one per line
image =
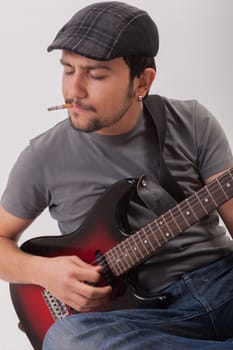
<point x="145" y="242"/>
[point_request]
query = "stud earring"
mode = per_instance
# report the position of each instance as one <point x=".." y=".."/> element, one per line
<point x="140" y="98"/>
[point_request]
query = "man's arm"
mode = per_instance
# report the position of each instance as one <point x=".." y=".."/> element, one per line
<point x="13" y="262"/>
<point x="64" y="277"/>
<point x="226" y="210"/>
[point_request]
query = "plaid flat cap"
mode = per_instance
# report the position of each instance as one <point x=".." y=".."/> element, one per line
<point x="106" y="30"/>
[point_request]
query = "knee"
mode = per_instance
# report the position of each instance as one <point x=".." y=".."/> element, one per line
<point x="59" y="337"/>
<point x="70" y="333"/>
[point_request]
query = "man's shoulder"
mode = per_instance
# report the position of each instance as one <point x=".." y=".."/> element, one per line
<point x="181" y="105"/>
<point x="187" y="110"/>
<point x="50" y="140"/>
<point x="51" y="134"/>
<point x="174" y="106"/>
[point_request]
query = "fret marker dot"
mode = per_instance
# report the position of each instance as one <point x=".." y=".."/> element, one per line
<point x="160" y="222"/>
<point x="145" y="242"/>
<point x="228" y="185"/>
<point x="167" y="234"/>
<point x="135" y="248"/>
<point x="126" y="254"/>
<point x="187" y="212"/>
<point x="206" y="200"/>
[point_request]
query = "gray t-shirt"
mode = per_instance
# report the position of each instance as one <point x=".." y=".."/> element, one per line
<point x="67" y="171"/>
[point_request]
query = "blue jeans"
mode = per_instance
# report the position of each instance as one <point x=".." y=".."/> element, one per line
<point x="199" y="317"/>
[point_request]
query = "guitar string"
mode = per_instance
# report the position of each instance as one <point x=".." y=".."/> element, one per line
<point x="173" y="220"/>
<point x="185" y="205"/>
<point x="140" y="238"/>
<point x="124" y="243"/>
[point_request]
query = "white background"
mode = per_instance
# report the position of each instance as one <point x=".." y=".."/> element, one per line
<point x="195" y="61"/>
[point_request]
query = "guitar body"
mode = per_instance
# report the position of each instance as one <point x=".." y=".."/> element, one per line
<point x="103" y="239"/>
<point x="99" y="233"/>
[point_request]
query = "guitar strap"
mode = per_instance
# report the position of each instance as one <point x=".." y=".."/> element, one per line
<point x="155" y="107"/>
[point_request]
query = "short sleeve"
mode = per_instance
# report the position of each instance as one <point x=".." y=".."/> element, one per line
<point x="214" y="152"/>
<point x="26" y="194"/>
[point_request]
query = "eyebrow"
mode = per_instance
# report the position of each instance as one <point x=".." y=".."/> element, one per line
<point x="88" y="66"/>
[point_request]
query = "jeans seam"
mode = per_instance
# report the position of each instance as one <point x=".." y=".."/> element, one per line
<point x="208" y="309"/>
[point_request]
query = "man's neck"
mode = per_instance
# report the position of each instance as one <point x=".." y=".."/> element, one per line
<point x="126" y="123"/>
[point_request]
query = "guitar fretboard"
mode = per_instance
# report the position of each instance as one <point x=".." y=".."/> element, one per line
<point x="145" y="242"/>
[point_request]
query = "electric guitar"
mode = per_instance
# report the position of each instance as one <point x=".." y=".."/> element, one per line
<point x="100" y="240"/>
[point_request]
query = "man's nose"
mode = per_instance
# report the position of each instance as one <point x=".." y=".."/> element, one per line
<point x="78" y="87"/>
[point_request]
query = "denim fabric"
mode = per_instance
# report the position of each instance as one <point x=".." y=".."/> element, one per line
<point x="200" y="316"/>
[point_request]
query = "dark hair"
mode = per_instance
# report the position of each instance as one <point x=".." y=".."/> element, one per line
<point x="137" y="64"/>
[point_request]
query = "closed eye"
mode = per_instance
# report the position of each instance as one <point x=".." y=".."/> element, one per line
<point x="68" y="72"/>
<point x="97" y="77"/>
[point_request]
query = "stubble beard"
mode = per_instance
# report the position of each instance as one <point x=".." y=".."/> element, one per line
<point x="98" y="122"/>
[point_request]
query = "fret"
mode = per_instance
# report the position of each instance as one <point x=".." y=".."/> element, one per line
<point x="183" y="216"/>
<point x="188" y="214"/>
<point x="175" y="221"/>
<point x="120" y="257"/>
<point x="110" y="257"/>
<point x="154" y="233"/>
<point x="211" y="197"/>
<point x="229" y="189"/>
<point x="111" y="261"/>
<point x="142" y="246"/>
<point x="128" y="258"/>
<point x="229" y="184"/>
<point x="207" y="203"/>
<point x="230" y="173"/>
<point x="161" y="226"/>
<point x="128" y="250"/>
<point x="151" y="237"/>
<point x="135" y="247"/>
<point x="221" y="187"/>
<point x="198" y="208"/>
<point x="146" y="239"/>
<point x="178" y="217"/>
<point x="192" y="211"/>
<point x="202" y="206"/>
<point x="168" y="230"/>
<point x="114" y="267"/>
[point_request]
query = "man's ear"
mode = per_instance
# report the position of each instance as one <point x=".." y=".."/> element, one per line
<point x="145" y="81"/>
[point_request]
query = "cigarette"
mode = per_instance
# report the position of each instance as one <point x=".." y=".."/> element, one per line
<point x="65" y="105"/>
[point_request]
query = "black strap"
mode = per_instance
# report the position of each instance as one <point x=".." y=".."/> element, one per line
<point x="155" y="107"/>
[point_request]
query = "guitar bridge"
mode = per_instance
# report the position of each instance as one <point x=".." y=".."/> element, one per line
<point x="57" y="308"/>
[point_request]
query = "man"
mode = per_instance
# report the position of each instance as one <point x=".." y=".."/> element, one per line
<point x="107" y="55"/>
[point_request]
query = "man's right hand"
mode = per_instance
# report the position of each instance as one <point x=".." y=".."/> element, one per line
<point x="73" y="281"/>
<point x="68" y="278"/>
